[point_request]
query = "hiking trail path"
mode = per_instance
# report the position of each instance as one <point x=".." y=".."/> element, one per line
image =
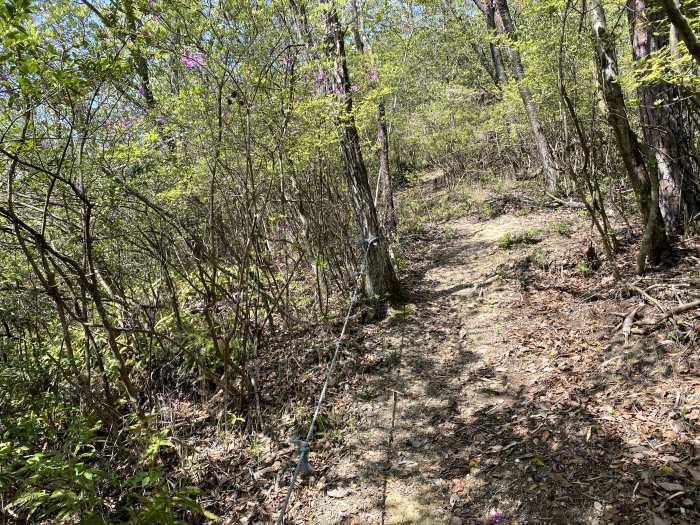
<point x="449" y="421"/>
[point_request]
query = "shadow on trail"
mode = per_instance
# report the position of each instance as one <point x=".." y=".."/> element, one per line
<point x="468" y="440"/>
<point x="426" y="290"/>
<point x="532" y="459"/>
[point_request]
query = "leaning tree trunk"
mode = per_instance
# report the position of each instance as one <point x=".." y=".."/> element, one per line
<point x="381" y="280"/>
<point x="545" y="153"/>
<point x="681" y="25"/>
<point x="665" y="122"/>
<point x="493" y="64"/>
<point x="654" y="240"/>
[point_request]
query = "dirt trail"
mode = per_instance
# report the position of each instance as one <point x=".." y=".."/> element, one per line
<point x="450" y="422"/>
<point x="436" y="373"/>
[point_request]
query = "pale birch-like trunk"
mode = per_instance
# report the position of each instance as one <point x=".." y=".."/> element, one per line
<point x="543" y="149"/>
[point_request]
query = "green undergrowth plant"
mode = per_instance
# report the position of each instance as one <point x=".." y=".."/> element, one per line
<point x="57" y="465"/>
<point x="511" y="240"/>
<point x="584" y="268"/>
<point x="539" y="258"/>
<point x="421" y="206"/>
<point x="397" y="314"/>
<point x="560" y="227"/>
<point x="401" y="263"/>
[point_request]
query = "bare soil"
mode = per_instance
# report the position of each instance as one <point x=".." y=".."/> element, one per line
<point x="515" y="401"/>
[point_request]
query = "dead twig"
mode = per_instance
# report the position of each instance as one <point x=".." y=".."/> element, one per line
<point x="646" y="296"/>
<point x="629" y="322"/>
<point x="482" y="284"/>
<point x="653" y="325"/>
<point x="678" y="310"/>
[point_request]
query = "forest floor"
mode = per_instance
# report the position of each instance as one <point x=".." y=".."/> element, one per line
<point x="505" y="391"/>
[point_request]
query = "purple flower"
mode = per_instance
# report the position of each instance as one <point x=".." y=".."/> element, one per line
<point x="286" y="62"/>
<point x="193" y="59"/>
<point x="496" y="516"/>
<point x="354" y="88"/>
<point x="373" y="77"/>
<point x="142" y="90"/>
<point x="320" y="78"/>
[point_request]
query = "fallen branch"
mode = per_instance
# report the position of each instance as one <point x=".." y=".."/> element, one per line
<point x="672" y="313"/>
<point x="679" y="310"/>
<point x="568" y="204"/>
<point x="645" y="295"/>
<point x="629" y="322"/>
<point x="478" y="286"/>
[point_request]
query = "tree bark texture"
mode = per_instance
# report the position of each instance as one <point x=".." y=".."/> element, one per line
<point x="496" y="58"/>
<point x="545" y="153"/>
<point x="387" y="186"/>
<point x="665" y="122"/>
<point x="672" y="8"/>
<point x="381" y="280"/>
<point x="627" y="140"/>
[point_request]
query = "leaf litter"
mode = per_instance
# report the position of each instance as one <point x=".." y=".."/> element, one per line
<point x="533" y="398"/>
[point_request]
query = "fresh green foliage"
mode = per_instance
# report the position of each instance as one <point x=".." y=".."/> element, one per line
<point x="562" y="228"/>
<point x="175" y="199"/>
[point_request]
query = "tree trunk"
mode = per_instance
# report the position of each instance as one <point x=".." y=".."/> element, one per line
<point x="681" y="25"/>
<point x="665" y="122"/>
<point x="496" y="58"/>
<point x="550" y="174"/>
<point x="387" y="186"/>
<point x="655" y="242"/>
<point x="381" y="280"/>
<point x="673" y="37"/>
<point x="385" y="173"/>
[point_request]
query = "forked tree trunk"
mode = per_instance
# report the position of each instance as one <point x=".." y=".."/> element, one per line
<point x="381" y="280"/>
<point x="545" y="154"/>
<point x="655" y="242"/>
<point x="665" y="121"/>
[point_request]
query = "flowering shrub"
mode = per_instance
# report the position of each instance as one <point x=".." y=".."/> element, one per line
<point x="193" y="59"/>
